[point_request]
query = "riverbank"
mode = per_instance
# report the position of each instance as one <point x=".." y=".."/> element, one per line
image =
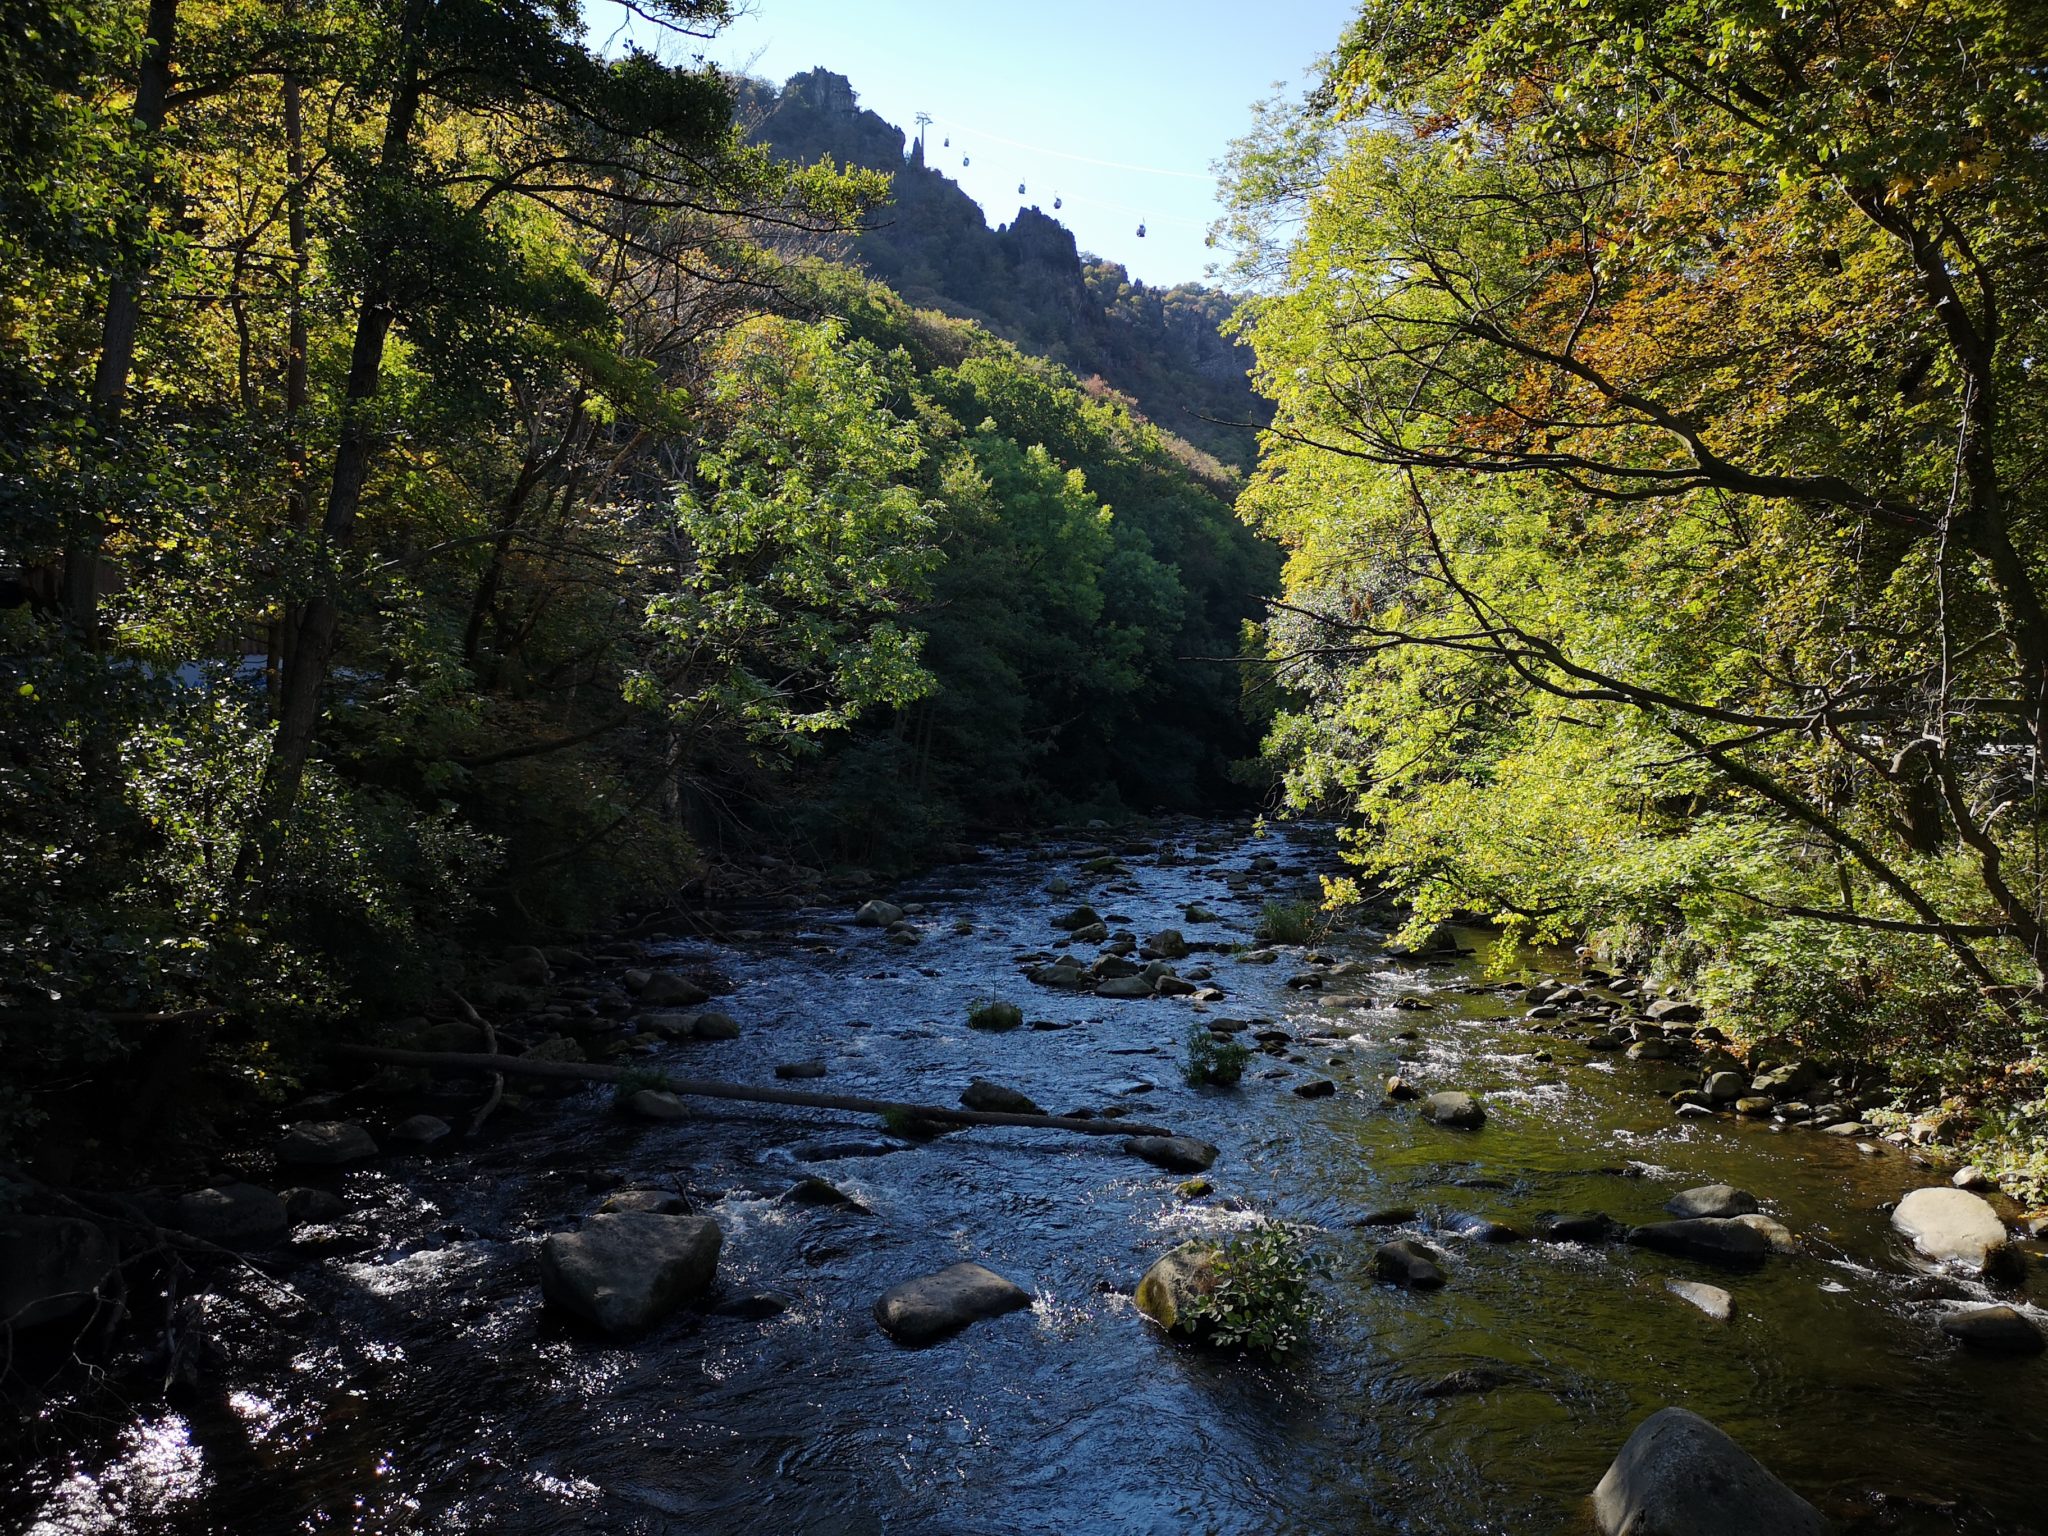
<point x="412" y="1379"/>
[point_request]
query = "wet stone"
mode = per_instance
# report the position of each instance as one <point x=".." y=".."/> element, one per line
<point x="325" y="1144"/>
<point x="1719" y="1200"/>
<point x="1176" y="1154"/>
<point x="1408" y="1263"/>
<point x="1994" y="1330"/>
<point x="926" y="1309"/>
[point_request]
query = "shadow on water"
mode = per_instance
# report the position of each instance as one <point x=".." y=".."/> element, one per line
<point x="433" y="1394"/>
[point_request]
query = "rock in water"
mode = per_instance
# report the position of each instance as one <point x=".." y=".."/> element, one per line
<point x="985" y="1095"/>
<point x="1995" y="1330"/>
<point x="878" y="914"/>
<point x="932" y="1306"/>
<point x="1176" y="1154"/>
<point x="659" y="1202"/>
<point x="1710" y="1299"/>
<point x="796" y="1070"/>
<point x="665" y="989"/>
<point x="1175" y="1280"/>
<point x="1460" y="1111"/>
<point x="626" y="1270"/>
<point x="1407" y="1262"/>
<point x="325" y="1144"/>
<point x="1715" y="1239"/>
<point x="1717" y="1200"/>
<point x="420" y="1131"/>
<point x="50" y="1267"/>
<point x="1680" y="1476"/>
<point x="1953" y="1226"/>
<point x="233" y="1214"/>
<point x="653" y="1104"/>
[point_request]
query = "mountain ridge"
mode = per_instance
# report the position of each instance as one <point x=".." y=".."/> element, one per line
<point x="1027" y="281"/>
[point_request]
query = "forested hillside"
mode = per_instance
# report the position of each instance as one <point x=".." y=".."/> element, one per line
<point x="1024" y="280"/>
<point x="450" y="495"/>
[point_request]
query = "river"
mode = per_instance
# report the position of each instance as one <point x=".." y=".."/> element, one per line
<point x="422" y="1388"/>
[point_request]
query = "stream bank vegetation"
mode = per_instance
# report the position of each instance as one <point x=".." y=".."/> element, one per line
<point x="450" y="495"/>
<point x="1658" y="451"/>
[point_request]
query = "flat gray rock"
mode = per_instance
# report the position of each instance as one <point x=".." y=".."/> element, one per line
<point x="1176" y="1154"/>
<point x="325" y="1144"/>
<point x="1710" y="1299"/>
<point x="420" y="1131"/>
<point x="626" y="1270"/>
<point x="932" y="1306"/>
<point x="653" y="1104"/>
<point x="1952" y="1226"/>
<point x="1716" y="1200"/>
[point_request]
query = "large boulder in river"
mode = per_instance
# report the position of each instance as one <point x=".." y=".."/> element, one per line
<point x="1176" y="1154"/>
<point x="626" y="1270"/>
<point x="1715" y="1239"/>
<point x="50" y="1267"/>
<point x="233" y="1215"/>
<point x="878" y="914"/>
<point x="1167" y="944"/>
<point x="1174" y="1281"/>
<point x="1953" y="1226"/>
<point x="325" y="1144"/>
<point x="665" y="989"/>
<point x="1460" y="1111"/>
<point x="1712" y="1200"/>
<point x="1680" y="1476"/>
<point x="932" y="1306"/>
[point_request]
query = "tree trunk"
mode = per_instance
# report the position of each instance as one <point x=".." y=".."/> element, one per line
<point x="707" y="1088"/>
<point x="87" y="533"/>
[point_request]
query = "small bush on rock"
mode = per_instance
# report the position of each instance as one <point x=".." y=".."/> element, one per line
<point x="1291" y="922"/>
<point x="1261" y="1299"/>
<point x="1213" y="1060"/>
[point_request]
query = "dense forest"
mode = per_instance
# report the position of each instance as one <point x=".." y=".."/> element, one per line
<point x="1659" y="452"/>
<point x="452" y="493"/>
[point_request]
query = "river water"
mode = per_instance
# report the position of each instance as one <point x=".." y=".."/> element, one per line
<point x="424" y="1389"/>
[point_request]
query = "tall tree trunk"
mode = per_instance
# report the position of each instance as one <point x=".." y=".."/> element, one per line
<point x="298" y="504"/>
<point x="86" y="535"/>
<point x="311" y="642"/>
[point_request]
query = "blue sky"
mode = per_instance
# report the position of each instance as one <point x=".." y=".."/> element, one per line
<point x="1037" y="92"/>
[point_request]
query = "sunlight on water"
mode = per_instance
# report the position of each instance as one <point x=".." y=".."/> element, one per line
<point x="155" y="1469"/>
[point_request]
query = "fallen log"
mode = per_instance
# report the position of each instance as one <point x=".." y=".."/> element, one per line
<point x="708" y="1088"/>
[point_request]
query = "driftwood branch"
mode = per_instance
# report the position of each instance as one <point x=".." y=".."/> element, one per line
<point x="707" y="1088"/>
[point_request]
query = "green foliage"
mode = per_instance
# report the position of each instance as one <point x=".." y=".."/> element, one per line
<point x="993" y="1013"/>
<point x="638" y="1080"/>
<point x="1260" y="1297"/>
<point x="1291" y="922"/>
<point x="1208" y="1059"/>
<point x="1637" y="582"/>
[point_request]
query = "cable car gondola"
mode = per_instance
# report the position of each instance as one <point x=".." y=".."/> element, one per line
<point x="1020" y="189"/>
<point x="1141" y="231"/>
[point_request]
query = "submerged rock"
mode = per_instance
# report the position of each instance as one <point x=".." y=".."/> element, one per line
<point x="420" y="1131"/>
<point x="1953" y="1226"/>
<point x="1680" y="1476"/>
<point x="653" y="1104"/>
<point x="655" y="1202"/>
<point x="626" y="1270"/>
<point x="1460" y="1111"/>
<point x="1995" y="1330"/>
<point x="790" y="1071"/>
<point x="815" y="1191"/>
<point x="325" y="1144"/>
<point x="1719" y="1200"/>
<point x="932" y="1306"/>
<point x="1717" y="1240"/>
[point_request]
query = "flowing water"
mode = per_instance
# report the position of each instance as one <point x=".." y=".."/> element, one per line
<point x="431" y="1392"/>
